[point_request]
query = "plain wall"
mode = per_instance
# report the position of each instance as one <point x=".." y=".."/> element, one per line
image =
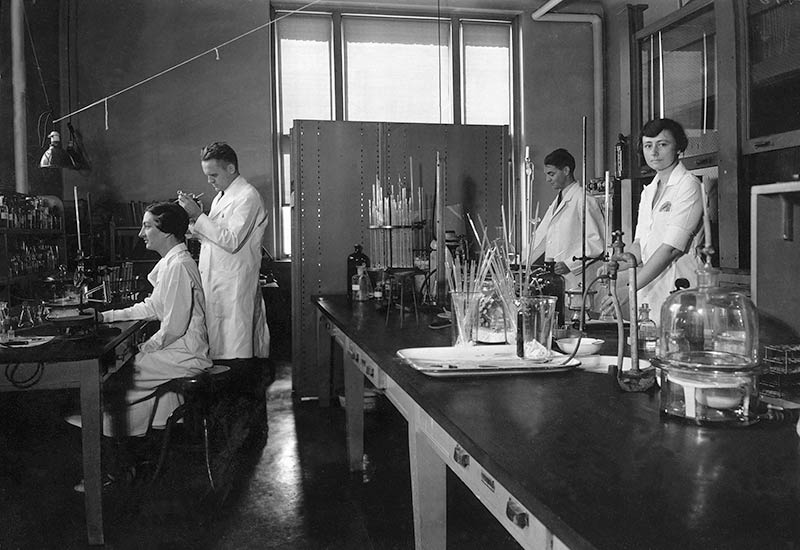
<point x="151" y="147"/>
<point x="557" y="79"/>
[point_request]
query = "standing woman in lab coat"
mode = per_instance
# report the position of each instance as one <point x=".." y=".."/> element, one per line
<point x="669" y="228"/>
<point x="230" y="257"/>
<point x="180" y="346"/>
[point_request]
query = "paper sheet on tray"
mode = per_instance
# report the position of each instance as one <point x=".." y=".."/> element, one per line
<point x="479" y="361"/>
<point x="26" y="342"/>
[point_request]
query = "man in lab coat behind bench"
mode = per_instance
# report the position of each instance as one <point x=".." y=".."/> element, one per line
<point x="559" y="235"/>
<point x="230" y="258"/>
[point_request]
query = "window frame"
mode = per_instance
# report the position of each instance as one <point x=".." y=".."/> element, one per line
<point x="454" y="20"/>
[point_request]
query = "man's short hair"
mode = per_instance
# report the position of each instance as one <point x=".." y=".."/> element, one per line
<point x="221" y="151"/>
<point x="561" y="158"/>
<point x="654" y="127"/>
<point x="170" y="217"/>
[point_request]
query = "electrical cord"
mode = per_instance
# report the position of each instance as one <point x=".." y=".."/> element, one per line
<point x="29" y="382"/>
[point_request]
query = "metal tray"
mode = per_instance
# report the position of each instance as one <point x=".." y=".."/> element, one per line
<point x="480" y="361"/>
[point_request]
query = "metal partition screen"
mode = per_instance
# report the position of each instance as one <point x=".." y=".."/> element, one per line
<point x="334" y="167"/>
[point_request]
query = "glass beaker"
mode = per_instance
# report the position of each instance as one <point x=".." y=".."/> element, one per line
<point x="464" y="307"/>
<point x="535" y="327"/>
<point x="495" y="322"/>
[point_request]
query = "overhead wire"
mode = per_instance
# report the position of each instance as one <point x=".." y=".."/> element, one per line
<point x="214" y="49"/>
<point x="41" y="122"/>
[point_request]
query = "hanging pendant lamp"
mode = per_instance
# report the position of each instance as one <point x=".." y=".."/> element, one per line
<point x="55" y="156"/>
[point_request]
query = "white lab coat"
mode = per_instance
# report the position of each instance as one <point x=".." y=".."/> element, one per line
<point x="230" y="260"/>
<point x="677" y="220"/>
<point x="179" y="348"/>
<point x="560" y="232"/>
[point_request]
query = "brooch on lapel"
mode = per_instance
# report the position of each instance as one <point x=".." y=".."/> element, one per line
<point x="666" y="207"/>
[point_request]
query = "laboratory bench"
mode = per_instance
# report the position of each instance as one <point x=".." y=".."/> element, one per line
<point x="563" y="460"/>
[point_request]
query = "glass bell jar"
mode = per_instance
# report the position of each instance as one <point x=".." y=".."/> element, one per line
<point x="708" y="354"/>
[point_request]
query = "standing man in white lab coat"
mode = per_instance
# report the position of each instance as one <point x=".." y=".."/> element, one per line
<point x="559" y="235"/>
<point x="230" y="257"/>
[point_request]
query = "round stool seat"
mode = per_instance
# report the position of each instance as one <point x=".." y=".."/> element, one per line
<point x="217" y="369"/>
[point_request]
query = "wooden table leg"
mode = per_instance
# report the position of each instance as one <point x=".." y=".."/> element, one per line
<point x="91" y="433"/>
<point x="354" y="411"/>
<point x="324" y="344"/>
<point x="428" y="492"/>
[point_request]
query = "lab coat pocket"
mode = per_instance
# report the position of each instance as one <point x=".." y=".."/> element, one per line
<point x="221" y="301"/>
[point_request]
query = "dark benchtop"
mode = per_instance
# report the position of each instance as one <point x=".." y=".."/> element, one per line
<point x="92" y="344"/>
<point x="600" y="468"/>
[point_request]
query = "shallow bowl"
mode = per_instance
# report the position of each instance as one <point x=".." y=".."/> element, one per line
<point x="588" y="346"/>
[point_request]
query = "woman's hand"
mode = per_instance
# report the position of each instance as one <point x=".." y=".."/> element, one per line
<point x="607" y="302"/>
<point x="560" y="268"/>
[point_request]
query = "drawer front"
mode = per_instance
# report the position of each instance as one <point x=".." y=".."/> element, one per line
<point x="373" y="373"/>
<point x="366" y="366"/>
<point x="517" y="520"/>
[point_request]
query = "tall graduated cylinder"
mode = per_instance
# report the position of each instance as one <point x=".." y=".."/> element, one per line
<point x="535" y="318"/>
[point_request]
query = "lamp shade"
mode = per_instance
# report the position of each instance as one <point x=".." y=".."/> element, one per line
<point x="55" y="156"/>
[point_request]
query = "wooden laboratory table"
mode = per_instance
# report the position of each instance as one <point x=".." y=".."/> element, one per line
<point x="76" y="363"/>
<point x="565" y="460"/>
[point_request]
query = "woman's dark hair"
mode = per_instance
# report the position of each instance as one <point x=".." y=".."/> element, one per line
<point x="658" y="125"/>
<point x="170" y="217"/>
<point x="220" y="150"/>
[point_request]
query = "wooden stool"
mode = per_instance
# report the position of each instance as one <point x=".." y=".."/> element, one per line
<point x="198" y="393"/>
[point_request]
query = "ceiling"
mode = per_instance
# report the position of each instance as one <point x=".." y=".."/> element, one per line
<point x="483" y="6"/>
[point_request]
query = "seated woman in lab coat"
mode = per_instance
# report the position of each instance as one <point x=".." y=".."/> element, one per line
<point x="180" y="346"/>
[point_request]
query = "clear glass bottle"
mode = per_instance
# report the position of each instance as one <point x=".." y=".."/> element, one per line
<point x="552" y="284"/>
<point x="6" y="331"/>
<point x="356" y="258"/>
<point x="380" y="284"/>
<point x="648" y="333"/>
<point x="361" y="286"/>
<point x="4" y="212"/>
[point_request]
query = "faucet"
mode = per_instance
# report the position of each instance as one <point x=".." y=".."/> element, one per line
<point x="635" y="379"/>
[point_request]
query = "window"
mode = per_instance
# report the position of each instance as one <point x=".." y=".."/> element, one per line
<point x="396" y="69"/>
<point x="304" y="76"/>
<point x="486" y="86"/>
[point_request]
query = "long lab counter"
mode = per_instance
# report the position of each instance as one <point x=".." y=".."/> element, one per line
<point x="565" y="460"/>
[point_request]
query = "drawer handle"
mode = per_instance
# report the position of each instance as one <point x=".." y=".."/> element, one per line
<point x="370" y="370"/>
<point x="516" y="514"/>
<point x="489" y="482"/>
<point x="461" y="457"/>
<point x="759" y="144"/>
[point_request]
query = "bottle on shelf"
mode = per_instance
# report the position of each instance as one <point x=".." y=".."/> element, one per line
<point x="648" y="333"/>
<point x="356" y="258"/>
<point x="361" y="286"/>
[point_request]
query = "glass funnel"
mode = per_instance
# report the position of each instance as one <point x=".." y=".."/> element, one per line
<point x="708" y="353"/>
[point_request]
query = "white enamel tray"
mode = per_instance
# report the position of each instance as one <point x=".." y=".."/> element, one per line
<point x="480" y="361"/>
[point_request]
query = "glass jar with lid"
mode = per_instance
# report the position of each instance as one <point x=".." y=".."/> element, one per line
<point x="708" y="354"/>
